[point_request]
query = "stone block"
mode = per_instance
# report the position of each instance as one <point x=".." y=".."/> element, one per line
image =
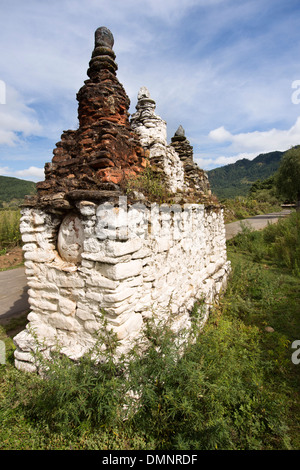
<point x="92" y="326"/>
<point x="58" y="320"/>
<point x="119" y="295"/>
<point x="122" y="270"/>
<point x="95" y="279"/>
<point x="84" y="314"/>
<point x="42" y="304"/>
<point x="118" y="248"/>
<point x="87" y="208"/>
<point x="132" y="326"/>
<point x="65" y="279"/>
<point x="67" y="306"/>
<point x="40" y="256"/>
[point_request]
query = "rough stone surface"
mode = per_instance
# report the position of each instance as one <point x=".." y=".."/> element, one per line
<point x="92" y="254"/>
<point x="195" y="178"/>
<point x="152" y="131"/>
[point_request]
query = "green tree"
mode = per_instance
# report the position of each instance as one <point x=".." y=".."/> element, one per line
<point x="288" y="175"/>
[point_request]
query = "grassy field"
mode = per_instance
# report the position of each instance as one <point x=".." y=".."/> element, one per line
<point x="235" y="387"/>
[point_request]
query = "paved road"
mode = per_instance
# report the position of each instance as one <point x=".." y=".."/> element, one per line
<point x="13" y="288"/>
<point x="257" y="222"/>
<point x="13" y="293"/>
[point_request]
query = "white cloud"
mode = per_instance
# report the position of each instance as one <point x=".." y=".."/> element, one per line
<point x="223" y="160"/>
<point x="32" y="173"/>
<point x="259" y="141"/>
<point x="209" y="64"/>
<point x="210" y="163"/>
<point x="16" y="118"/>
<point x="220" y="135"/>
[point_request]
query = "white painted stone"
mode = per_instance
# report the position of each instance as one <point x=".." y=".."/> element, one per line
<point x="39" y="256"/>
<point x="96" y="296"/>
<point x="84" y="314"/>
<point x="42" y="304"/>
<point x="63" y="322"/>
<point x="95" y="279"/>
<point x="129" y="327"/>
<point x="65" y="279"/>
<point x="29" y="237"/>
<point x="25" y="366"/>
<point x="118" y="248"/>
<point x="67" y="306"/>
<point x="92" y="326"/>
<point x="121" y="270"/>
<point x="119" y="295"/>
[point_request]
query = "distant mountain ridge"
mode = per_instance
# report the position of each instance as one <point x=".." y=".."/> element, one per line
<point x="236" y="178"/>
<point x="14" y="190"/>
<point x="227" y="181"/>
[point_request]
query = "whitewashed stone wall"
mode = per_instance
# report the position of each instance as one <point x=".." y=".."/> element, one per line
<point x="131" y="262"/>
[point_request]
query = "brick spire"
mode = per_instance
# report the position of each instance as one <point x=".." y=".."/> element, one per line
<point x="104" y="151"/>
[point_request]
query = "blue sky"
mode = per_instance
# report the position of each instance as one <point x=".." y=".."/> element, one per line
<point x="223" y="69"/>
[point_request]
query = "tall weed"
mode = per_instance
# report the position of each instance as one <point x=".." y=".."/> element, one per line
<point x="9" y="228"/>
<point x="213" y="395"/>
<point x="284" y="242"/>
<point x="279" y="243"/>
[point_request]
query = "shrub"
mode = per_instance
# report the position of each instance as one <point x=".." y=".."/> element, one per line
<point x="283" y="240"/>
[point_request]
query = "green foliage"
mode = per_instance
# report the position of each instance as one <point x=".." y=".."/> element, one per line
<point x="213" y="396"/>
<point x="233" y="385"/>
<point x="244" y="207"/>
<point x="236" y="179"/>
<point x="288" y="176"/>
<point x="278" y="242"/>
<point x="9" y="229"/>
<point x="151" y="184"/>
<point x="283" y="241"/>
<point x="13" y="190"/>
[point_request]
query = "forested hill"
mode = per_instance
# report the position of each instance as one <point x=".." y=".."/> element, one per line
<point x="13" y="190"/>
<point x="236" y="179"/>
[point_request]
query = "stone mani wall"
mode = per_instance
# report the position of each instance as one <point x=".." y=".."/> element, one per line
<point x="90" y="253"/>
<point x="129" y="262"/>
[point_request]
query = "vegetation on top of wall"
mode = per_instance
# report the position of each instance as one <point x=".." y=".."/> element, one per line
<point x="151" y="184"/>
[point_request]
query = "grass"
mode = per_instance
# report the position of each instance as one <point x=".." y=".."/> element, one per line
<point x="235" y="387"/>
<point x="9" y="229"/>
<point x="244" y="207"/>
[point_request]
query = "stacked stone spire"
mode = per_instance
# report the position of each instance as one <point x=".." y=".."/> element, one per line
<point x="195" y="178"/>
<point x="104" y="151"/>
<point x="152" y="132"/>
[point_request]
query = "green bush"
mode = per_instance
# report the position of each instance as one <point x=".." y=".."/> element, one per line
<point x="233" y="385"/>
<point x="214" y="395"/>
<point x="284" y="242"/>
<point x="278" y="242"/>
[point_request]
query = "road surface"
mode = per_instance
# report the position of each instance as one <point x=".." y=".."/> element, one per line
<point x="13" y="293"/>
<point x="13" y="288"/>
<point x="257" y="222"/>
